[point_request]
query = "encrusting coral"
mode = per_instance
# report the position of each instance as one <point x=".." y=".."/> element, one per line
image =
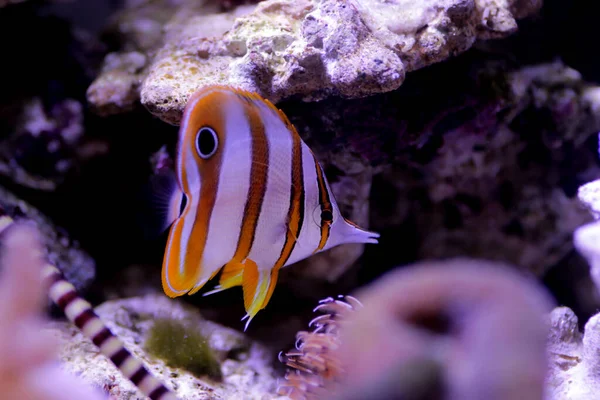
<point x="41" y="150"/>
<point x="27" y="354"/>
<point x="573" y="357"/>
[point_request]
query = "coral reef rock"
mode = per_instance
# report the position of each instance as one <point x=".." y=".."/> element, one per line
<point x="40" y="151"/>
<point x="589" y="195"/>
<point x="587" y="237"/>
<point x="587" y="242"/>
<point x="573" y="357"/>
<point x="246" y="366"/>
<point x="311" y="49"/>
<point x="76" y="265"/>
<point x="495" y="174"/>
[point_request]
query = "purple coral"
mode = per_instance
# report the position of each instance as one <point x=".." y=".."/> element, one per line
<point x="460" y="329"/>
<point x="482" y="323"/>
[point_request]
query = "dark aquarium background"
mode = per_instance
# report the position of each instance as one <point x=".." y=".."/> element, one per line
<point x="478" y="153"/>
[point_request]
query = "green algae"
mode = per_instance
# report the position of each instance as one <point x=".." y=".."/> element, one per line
<point x="183" y="346"/>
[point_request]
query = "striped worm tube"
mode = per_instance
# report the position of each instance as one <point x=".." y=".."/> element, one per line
<point x="82" y="315"/>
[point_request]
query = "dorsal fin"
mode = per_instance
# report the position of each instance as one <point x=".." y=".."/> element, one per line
<point x="251" y="96"/>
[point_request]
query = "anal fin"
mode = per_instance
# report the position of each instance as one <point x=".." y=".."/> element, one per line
<point x="256" y="285"/>
<point x="200" y="284"/>
<point x="272" y="284"/>
<point x="231" y="276"/>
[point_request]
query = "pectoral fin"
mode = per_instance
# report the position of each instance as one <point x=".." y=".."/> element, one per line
<point x="231" y="276"/>
<point x="256" y="284"/>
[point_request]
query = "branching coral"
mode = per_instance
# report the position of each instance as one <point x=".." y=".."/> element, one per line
<point x="27" y="370"/>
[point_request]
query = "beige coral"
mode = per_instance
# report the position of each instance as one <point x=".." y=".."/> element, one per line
<point x="282" y="48"/>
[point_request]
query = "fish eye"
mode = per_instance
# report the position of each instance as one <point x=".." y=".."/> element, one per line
<point x="206" y="142"/>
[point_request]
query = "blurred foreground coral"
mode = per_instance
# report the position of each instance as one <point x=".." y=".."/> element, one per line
<point x="28" y="370"/>
<point x="459" y="329"/>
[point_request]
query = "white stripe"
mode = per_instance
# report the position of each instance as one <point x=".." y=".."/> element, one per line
<point x="111" y="346"/>
<point x="272" y="223"/>
<point x="234" y="182"/>
<point x="193" y="180"/>
<point x="76" y="307"/>
<point x="310" y="234"/>
<point x="190" y="217"/>
<point x="130" y="366"/>
<point x="148" y="384"/>
<point x="93" y="327"/>
<point x="60" y="288"/>
<point x="168" y="264"/>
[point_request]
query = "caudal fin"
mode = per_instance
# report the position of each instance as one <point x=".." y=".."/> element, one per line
<point x="349" y="232"/>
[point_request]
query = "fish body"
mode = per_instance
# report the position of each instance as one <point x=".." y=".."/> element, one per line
<point x="256" y="199"/>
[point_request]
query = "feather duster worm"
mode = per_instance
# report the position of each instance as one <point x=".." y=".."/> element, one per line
<point x="313" y="367"/>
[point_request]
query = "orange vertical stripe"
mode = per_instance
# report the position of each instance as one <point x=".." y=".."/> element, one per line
<point x="325" y="203"/>
<point x="259" y="170"/>
<point x="210" y="104"/>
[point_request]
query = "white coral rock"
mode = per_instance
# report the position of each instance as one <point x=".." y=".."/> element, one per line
<point x="282" y="48"/>
<point x="573" y="357"/>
